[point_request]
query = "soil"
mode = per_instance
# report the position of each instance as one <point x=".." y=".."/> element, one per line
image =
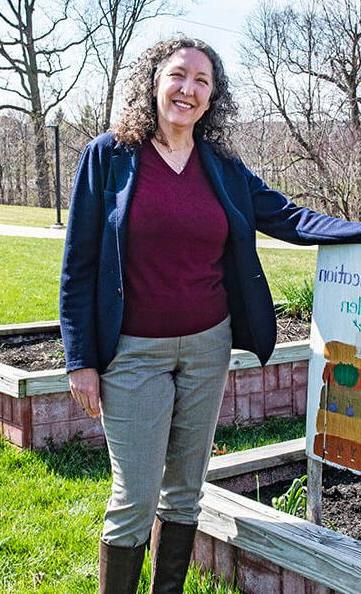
<point x="35" y="352"/>
<point x="341" y="500"/>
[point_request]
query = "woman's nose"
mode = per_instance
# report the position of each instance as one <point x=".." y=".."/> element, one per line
<point x="187" y="87"/>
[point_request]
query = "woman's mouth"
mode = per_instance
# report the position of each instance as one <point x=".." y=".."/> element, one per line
<point x="182" y="104"/>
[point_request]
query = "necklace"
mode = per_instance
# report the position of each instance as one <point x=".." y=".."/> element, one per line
<point x="178" y="164"/>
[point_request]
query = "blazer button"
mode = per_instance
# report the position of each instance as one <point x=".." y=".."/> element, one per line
<point x="120" y="292"/>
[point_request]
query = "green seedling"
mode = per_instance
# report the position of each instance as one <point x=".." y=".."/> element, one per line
<point x="294" y="501"/>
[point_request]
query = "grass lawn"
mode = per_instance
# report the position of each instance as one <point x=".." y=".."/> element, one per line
<point x="52" y="506"/>
<point x="31" y="216"/>
<point x="282" y="266"/>
<point x="31" y="267"/>
<point x="234" y="439"/>
<point x="260" y="235"/>
<point x="29" y="285"/>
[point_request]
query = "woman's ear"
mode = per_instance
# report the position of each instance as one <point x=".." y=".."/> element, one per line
<point x="155" y="87"/>
<point x="156" y="81"/>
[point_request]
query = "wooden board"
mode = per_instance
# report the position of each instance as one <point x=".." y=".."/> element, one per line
<point x="49" y="381"/>
<point x="286" y="352"/>
<point x="317" y="553"/>
<point x="12" y="381"/>
<point x="29" y="328"/>
<point x="19" y="383"/>
<point x="238" y="463"/>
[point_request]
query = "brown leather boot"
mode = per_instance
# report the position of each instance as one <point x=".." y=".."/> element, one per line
<point x="119" y="568"/>
<point x="171" y="549"/>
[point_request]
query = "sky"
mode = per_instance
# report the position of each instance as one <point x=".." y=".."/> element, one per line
<point x="218" y="22"/>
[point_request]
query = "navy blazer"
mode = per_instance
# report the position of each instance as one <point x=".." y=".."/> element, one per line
<point x="91" y="293"/>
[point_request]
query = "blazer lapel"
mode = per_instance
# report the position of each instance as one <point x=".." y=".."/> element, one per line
<point x="214" y="168"/>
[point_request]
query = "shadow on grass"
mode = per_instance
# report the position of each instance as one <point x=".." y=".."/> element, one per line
<point x="74" y="460"/>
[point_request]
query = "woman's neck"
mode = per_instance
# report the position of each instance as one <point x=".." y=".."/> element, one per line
<point x="175" y="141"/>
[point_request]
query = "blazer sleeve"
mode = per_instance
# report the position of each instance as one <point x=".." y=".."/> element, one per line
<point x="80" y="263"/>
<point x="277" y="216"/>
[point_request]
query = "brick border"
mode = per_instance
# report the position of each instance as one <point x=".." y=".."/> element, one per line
<point x="254" y="394"/>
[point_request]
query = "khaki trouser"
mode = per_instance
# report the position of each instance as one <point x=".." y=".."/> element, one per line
<point x="160" y="404"/>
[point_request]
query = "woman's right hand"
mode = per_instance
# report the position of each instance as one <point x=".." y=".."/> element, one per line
<point x="85" y="389"/>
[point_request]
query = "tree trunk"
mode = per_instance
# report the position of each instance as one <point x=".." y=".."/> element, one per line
<point x="42" y="165"/>
<point x="18" y="186"/>
<point x="24" y="162"/>
<point x="2" y="193"/>
<point x="109" y="99"/>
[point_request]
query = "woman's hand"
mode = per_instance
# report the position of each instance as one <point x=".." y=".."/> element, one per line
<point x="85" y="389"/>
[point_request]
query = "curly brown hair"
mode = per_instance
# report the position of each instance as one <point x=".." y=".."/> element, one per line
<point x="138" y="120"/>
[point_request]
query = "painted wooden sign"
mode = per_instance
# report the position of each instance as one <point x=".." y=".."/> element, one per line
<point x="334" y="387"/>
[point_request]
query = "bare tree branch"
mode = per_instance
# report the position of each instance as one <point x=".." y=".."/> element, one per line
<point x="15" y="62"/>
<point x="14" y="91"/>
<point x="8" y="22"/>
<point x="16" y="107"/>
<point x="54" y="25"/>
<point x="60" y="96"/>
<point x="307" y="63"/>
<point x="119" y="20"/>
<point x="36" y="65"/>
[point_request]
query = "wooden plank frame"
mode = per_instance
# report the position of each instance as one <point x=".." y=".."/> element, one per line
<point x="255" y="459"/>
<point x="317" y="553"/>
<point x="285" y="352"/>
<point x="12" y="381"/>
<point x="19" y="383"/>
<point x="30" y="328"/>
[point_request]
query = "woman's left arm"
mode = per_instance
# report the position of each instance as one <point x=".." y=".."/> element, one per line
<point x="279" y="217"/>
<point x="80" y="259"/>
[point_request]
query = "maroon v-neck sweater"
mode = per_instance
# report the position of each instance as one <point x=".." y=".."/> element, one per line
<point x="176" y="235"/>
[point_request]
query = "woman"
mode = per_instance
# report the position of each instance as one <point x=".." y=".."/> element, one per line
<point x="160" y="278"/>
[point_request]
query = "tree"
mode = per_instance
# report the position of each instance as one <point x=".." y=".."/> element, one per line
<point x="119" y="19"/>
<point x="32" y="62"/>
<point x="306" y="60"/>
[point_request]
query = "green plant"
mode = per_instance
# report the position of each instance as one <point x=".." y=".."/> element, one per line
<point x="294" y="500"/>
<point x="298" y="299"/>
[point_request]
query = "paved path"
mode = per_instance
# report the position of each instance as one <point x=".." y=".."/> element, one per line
<point x="282" y="245"/>
<point x="47" y="232"/>
<point x="40" y="232"/>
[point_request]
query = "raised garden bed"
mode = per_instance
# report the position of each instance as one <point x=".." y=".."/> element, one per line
<point x="262" y="550"/>
<point x="35" y="406"/>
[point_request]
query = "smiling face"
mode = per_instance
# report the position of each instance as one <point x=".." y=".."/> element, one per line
<point x="183" y="89"/>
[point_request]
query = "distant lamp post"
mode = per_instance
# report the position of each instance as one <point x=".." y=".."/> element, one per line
<point x="58" y="224"/>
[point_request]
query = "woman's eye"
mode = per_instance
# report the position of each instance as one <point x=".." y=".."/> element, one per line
<point x="176" y="74"/>
<point x="203" y="81"/>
